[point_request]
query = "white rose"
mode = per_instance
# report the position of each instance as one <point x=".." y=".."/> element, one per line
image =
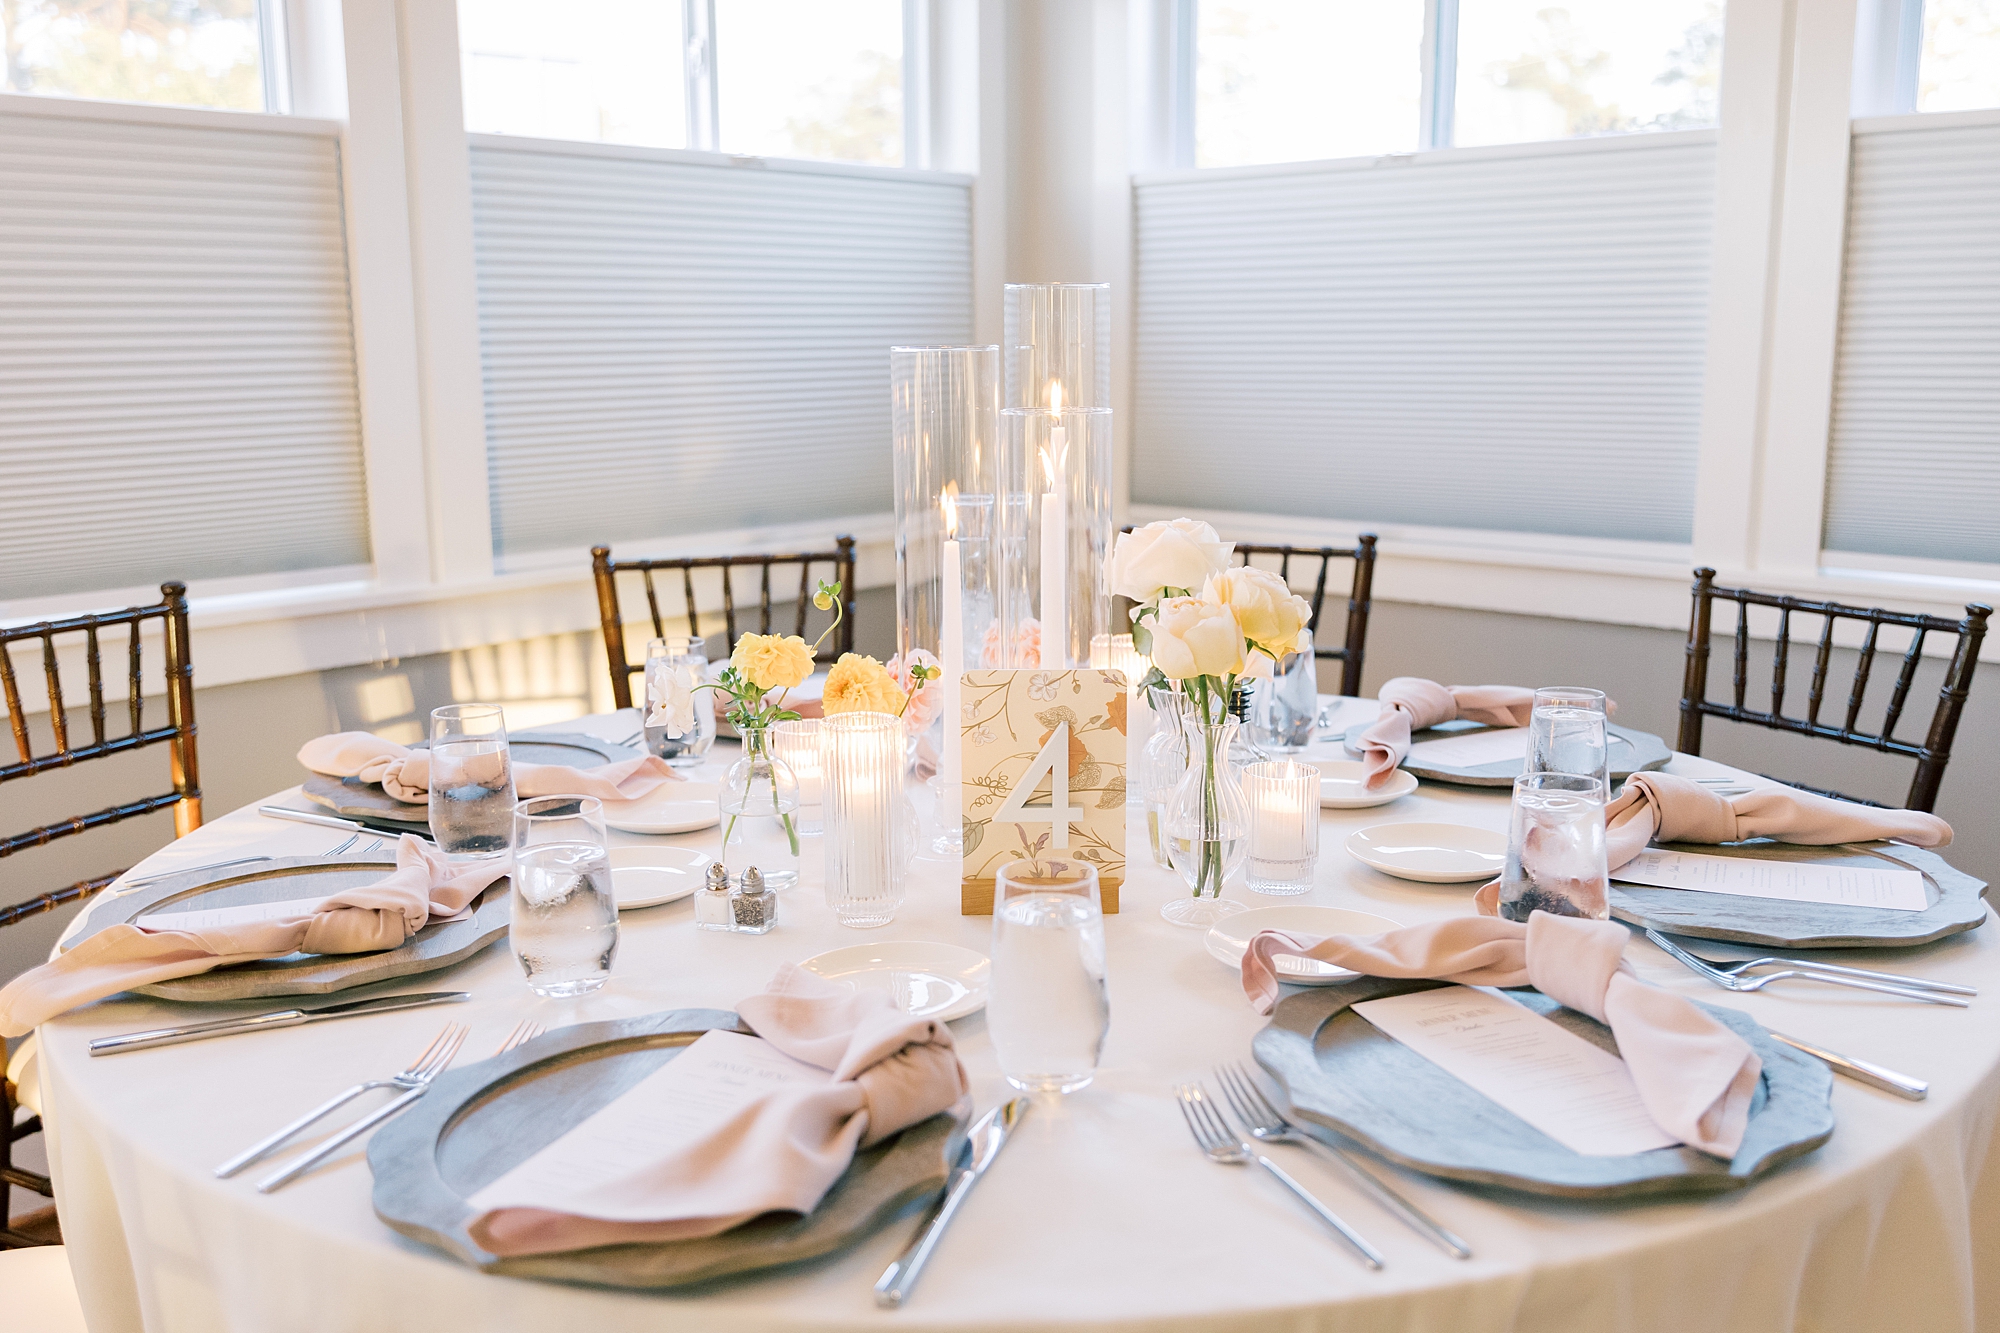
<point x="1177" y="554"/>
<point x="1271" y="615"/>
<point x="1196" y="638"/>
<point x="670" y="700"/>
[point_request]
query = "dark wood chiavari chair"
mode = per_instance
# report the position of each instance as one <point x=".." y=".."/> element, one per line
<point x="606" y="571"/>
<point x="1931" y="755"/>
<point x="1354" y="645"/>
<point x="178" y="734"/>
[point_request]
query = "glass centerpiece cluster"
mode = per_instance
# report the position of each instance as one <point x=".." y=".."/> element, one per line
<point x="1208" y="626"/>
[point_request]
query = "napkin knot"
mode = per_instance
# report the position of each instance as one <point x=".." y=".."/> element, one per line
<point x="1411" y="703"/>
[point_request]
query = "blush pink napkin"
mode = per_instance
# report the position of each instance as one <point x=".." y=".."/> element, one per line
<point x="373" y="917"/>
<point x="1675" y="809"/>
<point x="782" y="1152"/>
<point x="405" y="774"/>
<point x="1411" y="703"/>
<point x="1695" y="1076"/>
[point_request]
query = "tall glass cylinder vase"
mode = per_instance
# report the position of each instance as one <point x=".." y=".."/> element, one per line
<point x="1058" y="462"/>
<point x="1057" y="333"/>
<point x="950" y="512"/>
<point x="1208" y="823"/>
<point x="869" y="831"/>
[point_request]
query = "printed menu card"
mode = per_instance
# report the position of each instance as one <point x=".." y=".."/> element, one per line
<point x="1898" y="890"/>
<point x="1578" y="1094"/>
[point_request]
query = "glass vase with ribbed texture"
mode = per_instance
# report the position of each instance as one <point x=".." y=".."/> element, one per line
<point x="870" y="834"/>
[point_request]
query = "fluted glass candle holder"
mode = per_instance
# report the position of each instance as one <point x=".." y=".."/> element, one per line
<point x="797" y="745"/>
<point x="1284" y="826"/>
<point x="1057" y="333"/>
<point x="1058" y="465"/>
<point x="869" y="836"/>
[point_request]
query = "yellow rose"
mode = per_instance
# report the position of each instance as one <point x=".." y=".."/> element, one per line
<point x="858" y="684"/>
<point x="1270" y="614"/>
<point x="1192" y="637"/>
<point x="772" y="661"/>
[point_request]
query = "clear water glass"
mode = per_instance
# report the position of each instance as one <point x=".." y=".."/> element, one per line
<point x="1555" y="848"/>
<point x="472" y="781"/>
<point x="795" y="744"/>
<point x="565" y="918"/>
<point x="1284" y="710"/>
<point x="679" y="719"/>
<point x="1048" y="1010"/>
<point x="1284" y="826"/>
<point x="1567" y="733"/>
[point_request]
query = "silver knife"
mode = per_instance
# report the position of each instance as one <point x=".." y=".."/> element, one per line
<point x="1862" y="1071"/>
<point x="281" y="1018"/>
<point x="989" y="1134"/>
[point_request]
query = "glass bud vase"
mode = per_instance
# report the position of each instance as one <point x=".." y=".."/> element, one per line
<point x="760" y="822"/>
<point x="1162" y="764"/>
<point x="1208" y="824"/>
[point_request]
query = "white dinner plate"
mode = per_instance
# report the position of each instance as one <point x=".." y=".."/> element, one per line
<point x="649" y="876"/>
<point x="673" y="807"/>
<point x="1431" y="853"/>
<point x="1340" y="785"/>
<point x="924" y="979"/>
<point x="1228" y="938"/>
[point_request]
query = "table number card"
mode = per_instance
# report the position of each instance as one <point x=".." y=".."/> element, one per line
<point x="1043" y="757"/>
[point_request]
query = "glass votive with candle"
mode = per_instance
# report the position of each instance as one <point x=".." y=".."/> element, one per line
<point x="870" y="838"/>
<point x="1284" y="825"/>
<point x="797" y="744"/>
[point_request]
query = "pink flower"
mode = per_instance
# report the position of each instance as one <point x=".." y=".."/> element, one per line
<point x="924" y="702"/>
<point x="1027" y="645"/>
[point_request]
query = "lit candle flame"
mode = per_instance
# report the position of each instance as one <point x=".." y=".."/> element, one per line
<point x="1048" y="467"/>
<point x="950" y="503"/>
<point x="1055" y="395"/>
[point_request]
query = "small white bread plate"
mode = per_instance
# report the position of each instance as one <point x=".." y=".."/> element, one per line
<point x="674" y="807"/>
<point x="1430" y="853"/>
<point x="649" y="876"/>
<point x="1340" y="785"/>
<point x="1230" y="937"/>
<point x="924" y="979"/>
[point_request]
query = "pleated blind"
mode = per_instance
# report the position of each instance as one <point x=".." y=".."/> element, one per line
<point x="177" y="392"/>
<point x="1914" y="465"/>
<point x="1455" y="340"/>
<point x="676" y="347"/>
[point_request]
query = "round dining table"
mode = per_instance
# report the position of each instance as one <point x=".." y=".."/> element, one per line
<point x="1101" y="1213"/>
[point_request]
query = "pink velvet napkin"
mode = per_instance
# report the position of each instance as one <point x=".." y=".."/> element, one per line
<point x="405" y="774"/>
<point x="782" y="1152"/>
<point x="1411" y="703"/>
<point x="1675" y="809"/>
<point x="373" y="917"/>
<point x="1695" y="1076"/>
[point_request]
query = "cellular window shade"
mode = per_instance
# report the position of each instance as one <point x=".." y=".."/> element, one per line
<point x="677" y="347"/>
<point x="1456" y="340"/>
<point x="1914" y="464"/>
<point x="177" y="392"/>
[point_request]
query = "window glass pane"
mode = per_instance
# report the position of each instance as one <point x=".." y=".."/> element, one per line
<point x="1528" y="70"/>
<point x="1961" y="67"/>
<point x="184" y="52"/>
<point x="1294" y="80"/>
<point x="811" y="78"/>
<point x="607" y="70"/>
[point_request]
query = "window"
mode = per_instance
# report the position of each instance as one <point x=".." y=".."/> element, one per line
<point x="1960" y="68"/>
<point x="1289" y="80"/>
<point x="770" y="78"/>
<point x="213" y="53"/>
<point x="606" y="70"/>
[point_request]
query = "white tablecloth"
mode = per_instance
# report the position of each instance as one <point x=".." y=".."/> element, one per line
<point x="1101" y="1214"/>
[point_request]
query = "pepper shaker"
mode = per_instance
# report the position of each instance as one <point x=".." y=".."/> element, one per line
<point x="712" y="907"/>
<point x="756" y="907"/>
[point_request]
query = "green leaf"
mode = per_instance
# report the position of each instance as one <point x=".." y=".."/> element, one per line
<point x="974" y="834"/>
<point x="1142" y="639"/>
<point x="1114" y="795"/>
<point x="1057" y="716"/>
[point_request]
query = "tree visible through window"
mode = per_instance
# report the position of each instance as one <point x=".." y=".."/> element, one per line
<point x="185" y="52"/>
<point x="808" y="78"/>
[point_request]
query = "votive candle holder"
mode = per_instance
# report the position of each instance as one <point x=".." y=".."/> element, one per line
<point x="1284" y="826"/>
<point x="797" y="744"/>
<point x="868" y="838"/>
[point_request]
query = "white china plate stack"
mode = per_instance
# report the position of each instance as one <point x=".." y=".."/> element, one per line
<point x="649" y="876"/>
<point x="923" y="978"/>
<point x="1340" y="785"/>
<point x="1431" y="853"/>
<point x="673" y="807"/>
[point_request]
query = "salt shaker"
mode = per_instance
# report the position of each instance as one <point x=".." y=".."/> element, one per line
<point x="756" y="907"/>
<point x="712" y="907"/>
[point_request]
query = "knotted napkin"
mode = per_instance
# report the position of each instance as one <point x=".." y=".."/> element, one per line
<point x="364" y="920"/>
<point x="1675" y="809"/>
<point x="1411" y="703"/>
<point x="1694" y="1075"/>
<point x="405" y="774"/>
<point x="780" y="1152"/>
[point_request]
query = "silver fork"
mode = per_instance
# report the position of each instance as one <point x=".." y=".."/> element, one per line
<point x="524" y="1031"/>
<point x="1266" y="1124"/>
<point x="407" y="1079"/>
<point x="1730" y="981"/>
<point x="1815" y="966"/>
<point x="1213" y="1134"/>
<point x="440" y="1061"/>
